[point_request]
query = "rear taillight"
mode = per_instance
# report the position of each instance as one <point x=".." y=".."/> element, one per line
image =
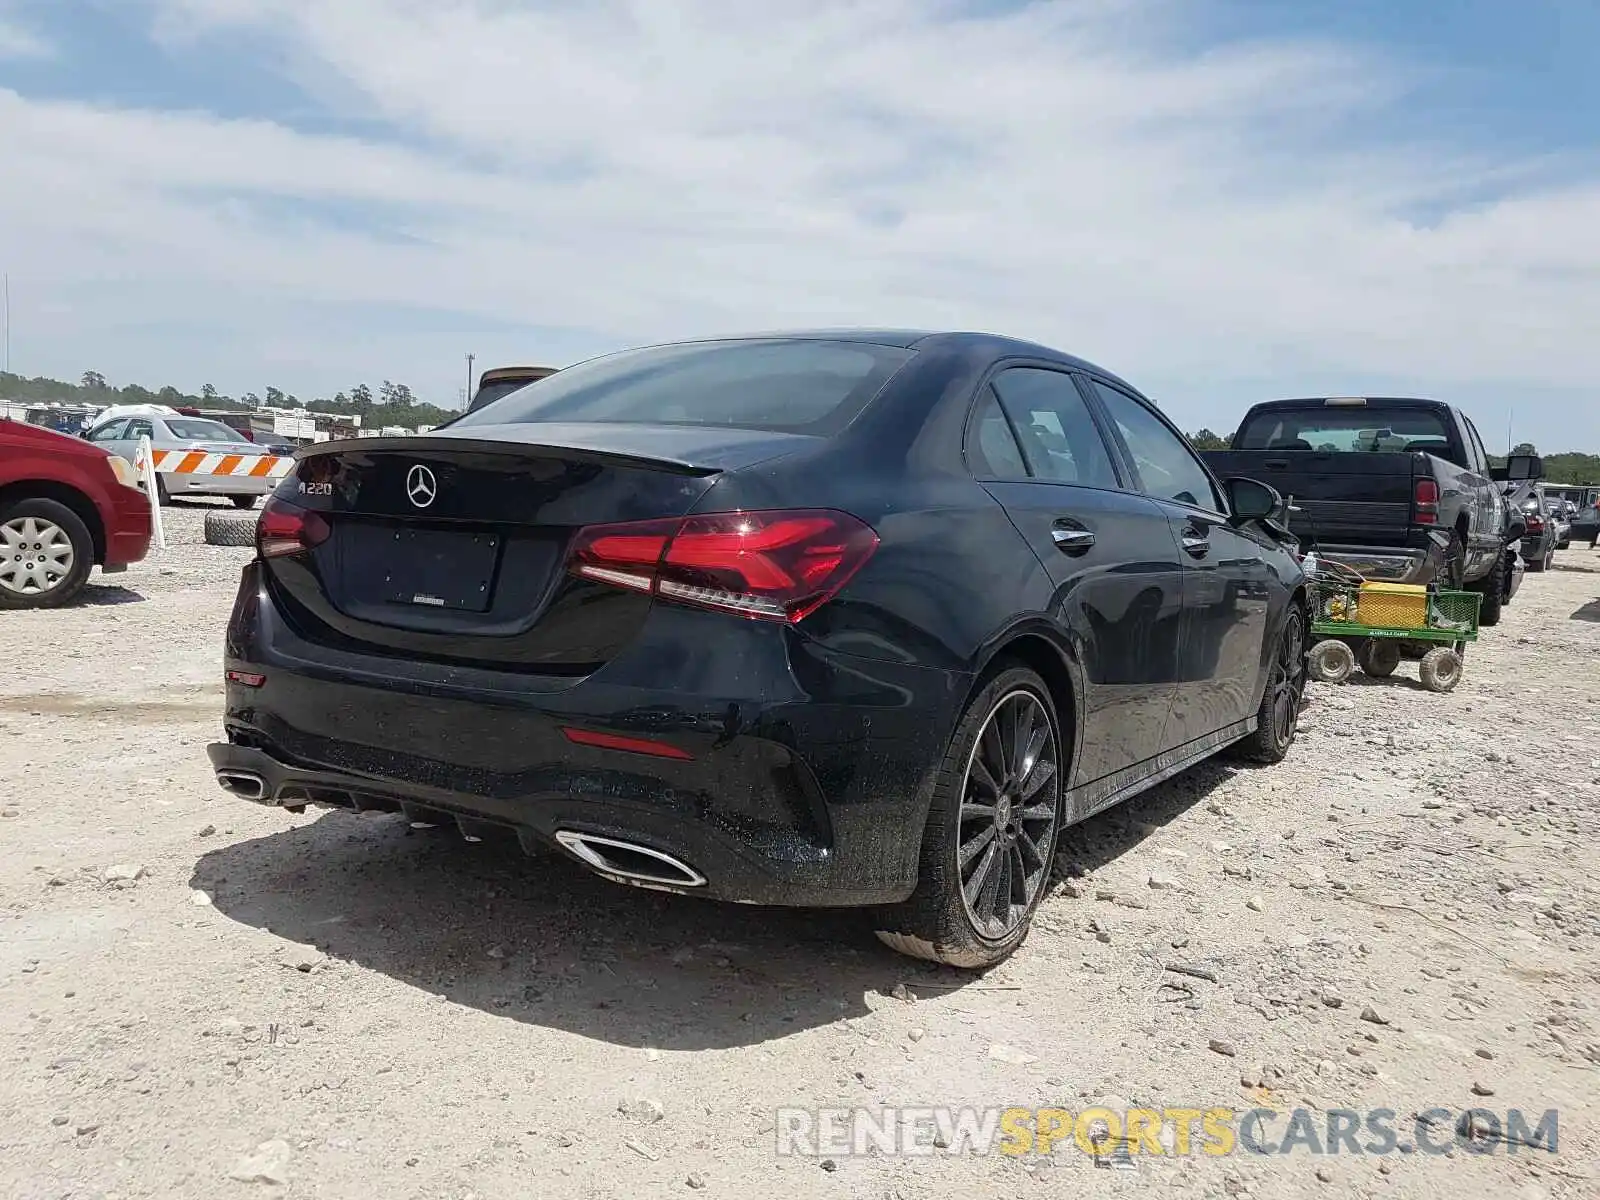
<point x="1534" y="522"/>
<point x="286" y="528"/>
<point x="775" y="566"/>
<point x="1427" y="502"/>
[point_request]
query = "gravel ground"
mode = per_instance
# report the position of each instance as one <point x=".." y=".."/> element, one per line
<point x="202" y="998"/>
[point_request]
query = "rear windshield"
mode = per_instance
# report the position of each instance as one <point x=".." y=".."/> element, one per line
<point x="798" y="386"/>
<point x="1356" y="430"/>
<point x="204" y="431"/>
<point x="488" y="393"/>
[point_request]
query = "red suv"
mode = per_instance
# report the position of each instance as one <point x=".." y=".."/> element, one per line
<point x="65" y="505"/>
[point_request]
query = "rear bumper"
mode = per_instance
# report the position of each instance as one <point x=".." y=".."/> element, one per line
<point x="801" y="779"/>
<point x="128" y="528"/>
<point x="1386" y="564"/>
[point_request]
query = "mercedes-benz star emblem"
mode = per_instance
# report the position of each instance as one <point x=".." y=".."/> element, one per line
<point x="421" y="486"/>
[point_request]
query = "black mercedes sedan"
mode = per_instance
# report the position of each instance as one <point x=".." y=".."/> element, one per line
<point x="861" y="618"/>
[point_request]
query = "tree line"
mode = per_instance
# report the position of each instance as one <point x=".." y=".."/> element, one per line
<point x="394" y="404"/>
<point x="391" y="404"/>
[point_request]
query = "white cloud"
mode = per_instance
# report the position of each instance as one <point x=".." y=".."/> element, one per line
<point x="661" y="167"/>
<point x="19" y="42"/>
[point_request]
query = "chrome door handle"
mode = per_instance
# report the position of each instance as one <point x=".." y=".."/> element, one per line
<point x="1070" y="540"/>
<point x="1196" y="546"/>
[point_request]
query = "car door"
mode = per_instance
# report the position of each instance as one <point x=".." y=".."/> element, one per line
<point x="1038" y="449"/>
<point x="138" y="427"/>
<point x="1489" y="510"/>
<point x="1228" y="585"/>
<point x="111" y="431"/>
<point x="113" y="436"/>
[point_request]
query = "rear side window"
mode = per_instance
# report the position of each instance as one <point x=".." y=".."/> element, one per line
<point x="785" y="385"/>
<point x="1347" y="430"/>
<point x="992" y="449"/>
<point x="1059" y="438"/>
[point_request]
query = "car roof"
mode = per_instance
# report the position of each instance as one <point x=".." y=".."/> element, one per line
<point x="1399" y="401"/>
<point x="966" y="342"/>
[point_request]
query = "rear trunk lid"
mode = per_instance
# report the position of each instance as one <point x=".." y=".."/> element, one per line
<point x="453" y="548"/>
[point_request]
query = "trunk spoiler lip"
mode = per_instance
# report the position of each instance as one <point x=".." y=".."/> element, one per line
<point x="424" y="443"/>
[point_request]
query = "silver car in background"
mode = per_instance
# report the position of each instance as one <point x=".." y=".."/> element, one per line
<point x="121" y="434"/>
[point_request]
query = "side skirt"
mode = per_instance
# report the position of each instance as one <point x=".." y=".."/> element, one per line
<point x="1088" y="799"/>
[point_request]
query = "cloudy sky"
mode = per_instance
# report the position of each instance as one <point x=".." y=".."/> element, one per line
<point x="1223" y="200"/>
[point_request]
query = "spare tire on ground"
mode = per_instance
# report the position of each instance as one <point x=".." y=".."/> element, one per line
<point x="230" y="529"/>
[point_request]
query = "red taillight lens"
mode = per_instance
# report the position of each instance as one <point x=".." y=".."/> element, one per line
<point x="1534" y="522"/>
<point x="776" y="566"/>
<point x="616" y="741"/>
<point x="1427" y="502"/>
<point x="286" y="528"/>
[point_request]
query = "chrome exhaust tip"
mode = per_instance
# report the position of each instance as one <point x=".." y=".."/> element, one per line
<point x="245" y="784"/>
<point x="629" y="862"/>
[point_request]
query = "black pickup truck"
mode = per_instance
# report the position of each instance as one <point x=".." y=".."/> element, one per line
<point x="1399" y="489"/>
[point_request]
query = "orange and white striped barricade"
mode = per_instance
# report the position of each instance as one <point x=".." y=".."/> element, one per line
<point x="210" y="462"/>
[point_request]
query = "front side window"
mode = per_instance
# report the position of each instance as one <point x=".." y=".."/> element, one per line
<point x="1059" y="438"/>
<point x="109" y="432"/>
<point x="1168" y="469"/>
<point x="137" y="429"/>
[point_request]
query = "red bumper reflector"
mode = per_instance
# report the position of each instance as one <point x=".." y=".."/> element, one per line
<point x="616" y="741"/>
<point x="247" y="678"/>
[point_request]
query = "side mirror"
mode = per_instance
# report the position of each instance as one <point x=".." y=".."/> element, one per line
<point x="1252" y="500"/>
<point x="1515" y="528"/>
<point x="1524" y="466"/>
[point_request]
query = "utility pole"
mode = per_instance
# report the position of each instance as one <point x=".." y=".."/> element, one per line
<point x="470" y="359"/>
<point x="1510" y="417"/>
<point x="8" y="321"/>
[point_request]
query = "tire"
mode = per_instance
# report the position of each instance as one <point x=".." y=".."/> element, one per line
<point x="1441" y="669"/>
<point x="230" y="529"/>
<point x="163" y="497"/>
<point x="1539" y="563"/>
<point x="1330" y="661"/>
<point x="1001" y="829"/>
<point x="244" y="501"/>
<point x="1379" y="657"/>
<point x="1493" y="587"/>
<point x="46" y="554"/>
<point x="1279" y="715"/>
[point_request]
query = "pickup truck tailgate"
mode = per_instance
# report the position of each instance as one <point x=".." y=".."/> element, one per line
<point x="1356" y="499"/>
